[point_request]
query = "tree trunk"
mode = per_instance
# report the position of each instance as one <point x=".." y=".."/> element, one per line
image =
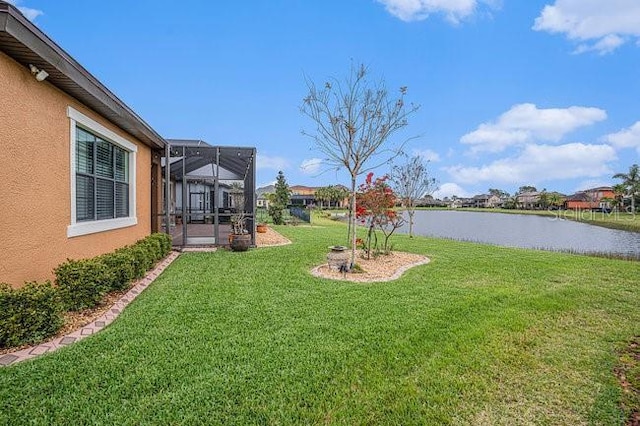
<point x="411" y="213"/>
<point x="352" y="221"/>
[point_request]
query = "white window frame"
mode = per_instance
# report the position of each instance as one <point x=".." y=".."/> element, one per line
<point x="76" y="229"/>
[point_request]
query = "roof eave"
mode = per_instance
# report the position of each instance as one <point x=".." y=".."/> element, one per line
<point x="31" y="46"/>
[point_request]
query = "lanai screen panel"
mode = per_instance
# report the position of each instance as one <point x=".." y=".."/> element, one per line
<point x="198" y="207"/>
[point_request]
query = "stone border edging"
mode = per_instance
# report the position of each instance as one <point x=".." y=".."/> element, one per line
<point x="397" y="274"/>
<point x="286" y="243"/>
<point x="95" y="326"/>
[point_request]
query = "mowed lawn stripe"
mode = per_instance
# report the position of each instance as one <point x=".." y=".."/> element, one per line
<point x="482" y="334"/>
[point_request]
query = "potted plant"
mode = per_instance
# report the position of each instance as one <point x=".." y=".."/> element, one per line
<point x="261" y="227"/>
<point x="240" y="239"/>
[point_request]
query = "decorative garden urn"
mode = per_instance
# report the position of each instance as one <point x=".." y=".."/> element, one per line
<point x="338" y="258"/>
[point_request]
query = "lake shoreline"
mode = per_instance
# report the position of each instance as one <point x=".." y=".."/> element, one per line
<point x="624" y="222"/>
<point x="551" y="231"/>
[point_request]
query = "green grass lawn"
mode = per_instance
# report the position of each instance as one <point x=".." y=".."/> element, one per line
<point x="481" y="335"/>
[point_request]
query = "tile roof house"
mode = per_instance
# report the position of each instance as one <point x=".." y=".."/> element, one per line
<point x="80" y="171"/>
<point x="302" y="195"/>
<point x="591" y="199"/>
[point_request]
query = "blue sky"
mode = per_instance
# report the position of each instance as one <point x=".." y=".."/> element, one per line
<point x="511" y="92"/>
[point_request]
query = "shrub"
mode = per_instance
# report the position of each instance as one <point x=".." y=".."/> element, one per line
<point x="165" y="243"/>
<point x="153" y="247"/>
<point x="29" y="314"/>
<point x="146" y="252"/>
<point x="121" y="269"/>
<point x="143" y="260"/>
<point x="82" y="283"/>
<point x="34" y="312"/>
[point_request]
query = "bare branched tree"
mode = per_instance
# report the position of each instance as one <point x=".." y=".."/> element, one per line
<point x="354" y="118"/>
<point x="411" y="181"/>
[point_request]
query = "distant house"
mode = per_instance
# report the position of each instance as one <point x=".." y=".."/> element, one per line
<point x="454" y="203"/>
<point x="430" y="201"/>
<point x="486" y="201"/>
<point x="302" y="196"/>
<point x="591" y="199"/>
<point x="528" y="200"/>
<point x="80" y="170"/>
<point x="461" y="203"/>
<point x="480" y="201"/>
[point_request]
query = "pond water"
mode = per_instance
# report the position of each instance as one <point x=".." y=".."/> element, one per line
<point x="526" y="231"/>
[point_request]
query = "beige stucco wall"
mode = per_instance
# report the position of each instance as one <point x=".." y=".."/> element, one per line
<point x="35" y="197"/>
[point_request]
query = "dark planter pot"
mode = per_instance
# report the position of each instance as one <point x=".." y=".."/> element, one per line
<point x="240" y="242"/>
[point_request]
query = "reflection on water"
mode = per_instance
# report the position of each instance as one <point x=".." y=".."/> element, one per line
<point x="527" y="231"/>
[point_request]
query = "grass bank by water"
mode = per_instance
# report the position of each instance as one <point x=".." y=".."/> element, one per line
<point x="481" y="335"/>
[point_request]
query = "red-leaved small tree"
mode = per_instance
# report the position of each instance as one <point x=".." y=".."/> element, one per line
<point x="375" y="201"/>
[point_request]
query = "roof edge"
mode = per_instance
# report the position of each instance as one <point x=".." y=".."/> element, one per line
<point x="14" y="24"/>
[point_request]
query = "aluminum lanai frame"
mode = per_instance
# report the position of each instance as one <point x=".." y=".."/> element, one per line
<point x="213" y="167"/>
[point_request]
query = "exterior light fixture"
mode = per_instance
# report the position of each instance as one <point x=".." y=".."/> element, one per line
<point x="39" y="74"/>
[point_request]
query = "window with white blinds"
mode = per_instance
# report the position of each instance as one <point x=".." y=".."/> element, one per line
<point x="102" y="178"/>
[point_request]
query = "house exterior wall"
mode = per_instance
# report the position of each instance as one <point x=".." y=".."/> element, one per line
<point x="580" y="205"/>
<point x="593" y="200"/>
<point x="35" y="175"/>
<point x="528" y="200"/>
<point x="494" y="201"/>
<point x="605" y="193"/>
<point x="302" y="190"/>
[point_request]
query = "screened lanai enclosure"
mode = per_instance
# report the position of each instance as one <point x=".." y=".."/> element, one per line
<point x="207" y="189"/>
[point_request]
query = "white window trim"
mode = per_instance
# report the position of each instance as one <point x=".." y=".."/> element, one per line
<point x="84" y="228"/>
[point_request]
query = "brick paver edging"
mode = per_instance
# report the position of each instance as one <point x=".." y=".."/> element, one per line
<point x="97" y="325"/>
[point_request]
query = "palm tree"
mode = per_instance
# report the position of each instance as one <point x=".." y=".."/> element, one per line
<point x="631" y="181"/>
<point x="618" y="192"/>
<point x="555" y="199"/>
<point x="322" y="194"/>
<point x="543" y="201"/>
<point x="338" y="194"/>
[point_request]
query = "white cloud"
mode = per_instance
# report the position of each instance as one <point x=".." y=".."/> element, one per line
<point x="417" y="10"/>
<point x="539" y="163"/>
<point x="525" y="123"/>
<point x="600" y="25"/>
<point x="29" y="13"/>
<point x="271" y="163"/>
<point x="450" y="189"/>
<point x="427" y="155"/>
<point x="311" y="166"/>
<point x="606" y="45"/>
<point x="626" y="138"/>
